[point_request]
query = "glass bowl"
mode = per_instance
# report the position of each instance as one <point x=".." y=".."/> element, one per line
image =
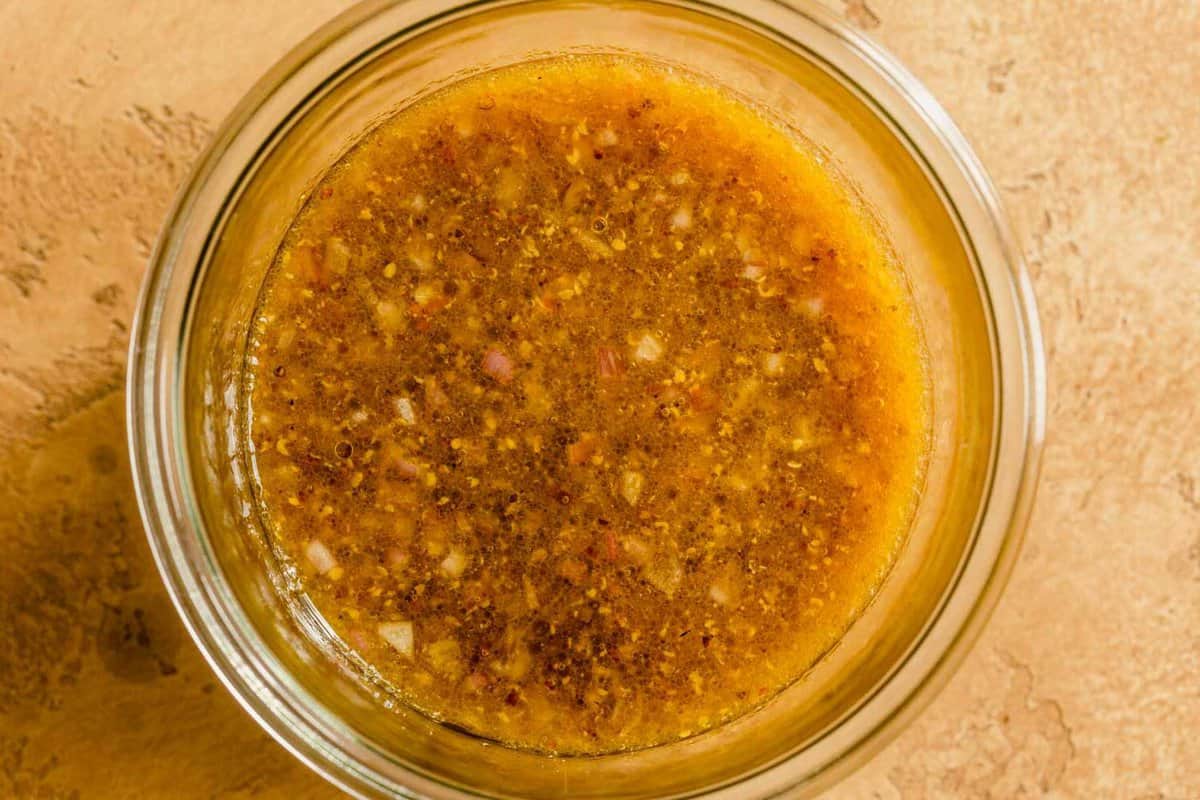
<point x="864" y="113"/>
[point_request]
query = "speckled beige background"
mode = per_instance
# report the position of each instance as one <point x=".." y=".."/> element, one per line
<point x="1087" y="682"/>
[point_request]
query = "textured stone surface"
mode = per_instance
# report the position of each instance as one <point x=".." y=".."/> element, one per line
<point x="1087" y="681"/>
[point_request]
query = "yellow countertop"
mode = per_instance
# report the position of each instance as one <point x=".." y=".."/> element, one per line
<point x="1087" y="681"/>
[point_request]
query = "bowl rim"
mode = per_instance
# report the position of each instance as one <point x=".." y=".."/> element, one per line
<point x="160" y="473"/>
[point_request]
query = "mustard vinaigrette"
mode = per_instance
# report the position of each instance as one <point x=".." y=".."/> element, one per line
<point x="589" y="403"/>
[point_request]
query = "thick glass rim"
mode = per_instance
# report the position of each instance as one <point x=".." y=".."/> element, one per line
<point x="193" y="577"/>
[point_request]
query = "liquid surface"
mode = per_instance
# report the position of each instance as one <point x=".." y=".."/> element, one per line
<point x="588" y="404"/>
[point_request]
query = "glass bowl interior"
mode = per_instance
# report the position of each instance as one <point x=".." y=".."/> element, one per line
<point x="862" y="112"/>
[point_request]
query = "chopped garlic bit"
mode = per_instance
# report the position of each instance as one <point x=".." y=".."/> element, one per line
<point x="399" y="635"/>
<point x="606" y="137"/>
<point x="649" y="348"/>
<point x="404" y="408"/>
<point x="319" y="556"/>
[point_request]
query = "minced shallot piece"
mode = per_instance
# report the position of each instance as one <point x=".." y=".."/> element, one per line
<point x="358" y="638"/>
<point x="454" y="564"/>
<point x="420" y="254"/>
<point x="631" y="486"/>
<point x="395" y="557"/>
<point x="639" y="552"/>
<point x="609" y="363"/>
<point x="498" y="365"/>
<point x="389" y="316"/>
<point x="434" y="396"/>
<point x="773" y="363"/>
<point x="399" y="635"/>
<point x="319" y="556"/>
<point x="337" y="255"/>
<point x="426" y="293"/>
<point x="404" y="408"/>
<point x="681" y="220"/>
<point x="752" y="272"/>
<point x="582" y="449"/>
<point x="649" y="348"/>
<point x="665" y="573"/>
